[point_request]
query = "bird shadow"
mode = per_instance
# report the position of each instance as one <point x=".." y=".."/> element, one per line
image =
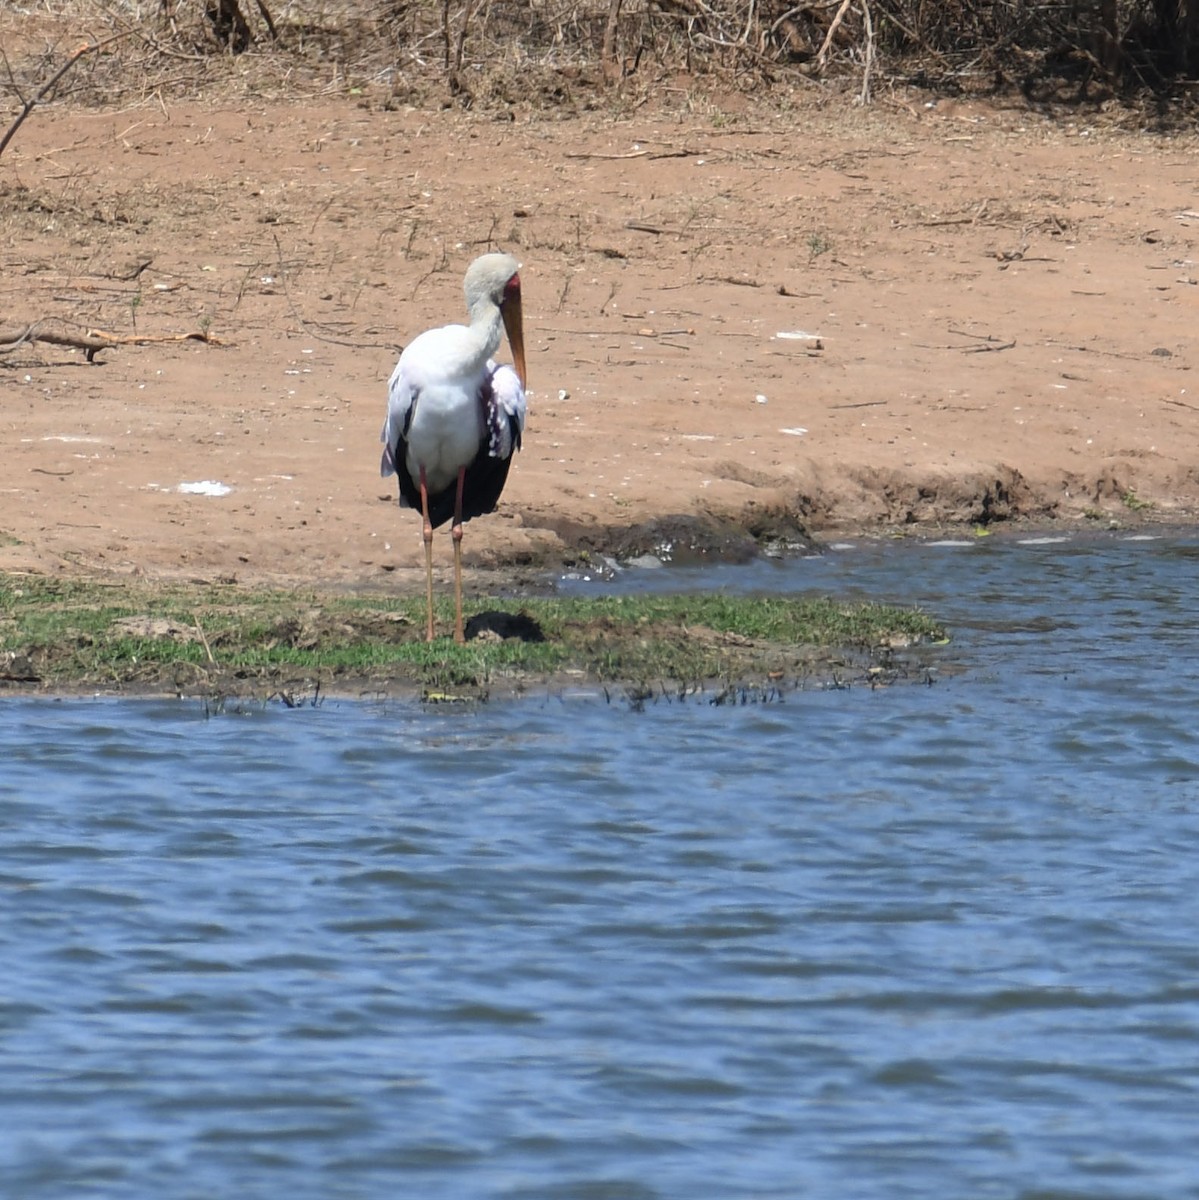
<point x="503" y="625"/>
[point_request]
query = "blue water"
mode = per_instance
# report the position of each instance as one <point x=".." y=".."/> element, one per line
<point x="924" y="941"/>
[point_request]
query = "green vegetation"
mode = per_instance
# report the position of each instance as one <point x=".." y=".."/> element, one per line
<point x="818" y="244"/>
<point x="63" y="635"/>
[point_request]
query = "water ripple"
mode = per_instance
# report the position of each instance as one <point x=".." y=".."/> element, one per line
<point x="925" y="941"/>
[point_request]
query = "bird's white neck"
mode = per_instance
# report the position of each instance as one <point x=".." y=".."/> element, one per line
<point x="486" y="328"/>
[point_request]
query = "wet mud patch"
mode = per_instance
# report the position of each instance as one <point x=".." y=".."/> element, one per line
<point x="682" y="539"/>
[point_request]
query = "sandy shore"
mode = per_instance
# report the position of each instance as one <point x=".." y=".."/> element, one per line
<point x="825" y="320"/>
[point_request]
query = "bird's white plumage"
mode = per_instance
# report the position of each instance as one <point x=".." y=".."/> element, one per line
<point x="434" y="393"/>
<point x="443" y="429"/>
<point x="510" y="398"/>
<point x="455" y="418"/>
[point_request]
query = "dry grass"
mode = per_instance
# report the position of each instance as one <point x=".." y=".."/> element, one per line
<point x="548" y="52"/>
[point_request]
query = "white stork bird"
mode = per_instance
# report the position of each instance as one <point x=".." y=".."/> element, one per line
<point x="455" y="418"/>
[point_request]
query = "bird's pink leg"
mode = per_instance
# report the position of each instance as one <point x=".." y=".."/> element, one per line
<point x="427" y="533"/>
<point x="456" y="534"/>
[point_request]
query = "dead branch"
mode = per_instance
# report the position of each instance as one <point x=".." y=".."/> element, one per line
<point x="203" y="637"/>
<point x="611" y="68"/>
<point x="867" y="53"/>
<point x="822" y="53"/>
<point x="989" y="342"/>
<point x="455" y="47"/>
<point x="981" y="337"/>
<point x="92" y="341"/>
<point x="733" y="279"/>
<point x="29" y="105"/>
<point x="266" y="16"/>
<point x="596" y="154"/>
<point x="229" y="25"/>
<point x="460" y="47"/>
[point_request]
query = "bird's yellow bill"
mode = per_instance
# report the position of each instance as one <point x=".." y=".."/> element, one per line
<point x="514" y="328"/>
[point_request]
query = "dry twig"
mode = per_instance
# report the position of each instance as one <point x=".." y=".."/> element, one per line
<point x="92" y="341"/>
<point x="203" y="637"/>
<point x="29" y="105"/>
<point x="597" y="154"/>
<point x="835" y="24"/>
<point x="867" y="53"/>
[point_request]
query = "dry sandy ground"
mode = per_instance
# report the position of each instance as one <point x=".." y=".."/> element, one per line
<point x="831" y="318"/>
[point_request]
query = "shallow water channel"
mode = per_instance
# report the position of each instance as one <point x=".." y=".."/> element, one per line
<point x="914" y="942"/>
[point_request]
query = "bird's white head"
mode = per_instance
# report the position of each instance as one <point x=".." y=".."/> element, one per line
<point x="495" y="278"/>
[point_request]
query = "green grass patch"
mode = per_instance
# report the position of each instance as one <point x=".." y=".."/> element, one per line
<point x="71" y="635"/>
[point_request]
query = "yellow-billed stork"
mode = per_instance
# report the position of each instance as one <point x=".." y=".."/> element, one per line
<point x="455" y="418"/>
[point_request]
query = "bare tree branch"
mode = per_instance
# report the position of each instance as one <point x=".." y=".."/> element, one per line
<point x="92" y="341"/>
<point x="33" y="101"/>
<point x="611" y="68"/>
<point x="867" y="53"/>
<point x="822" y="53"/>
